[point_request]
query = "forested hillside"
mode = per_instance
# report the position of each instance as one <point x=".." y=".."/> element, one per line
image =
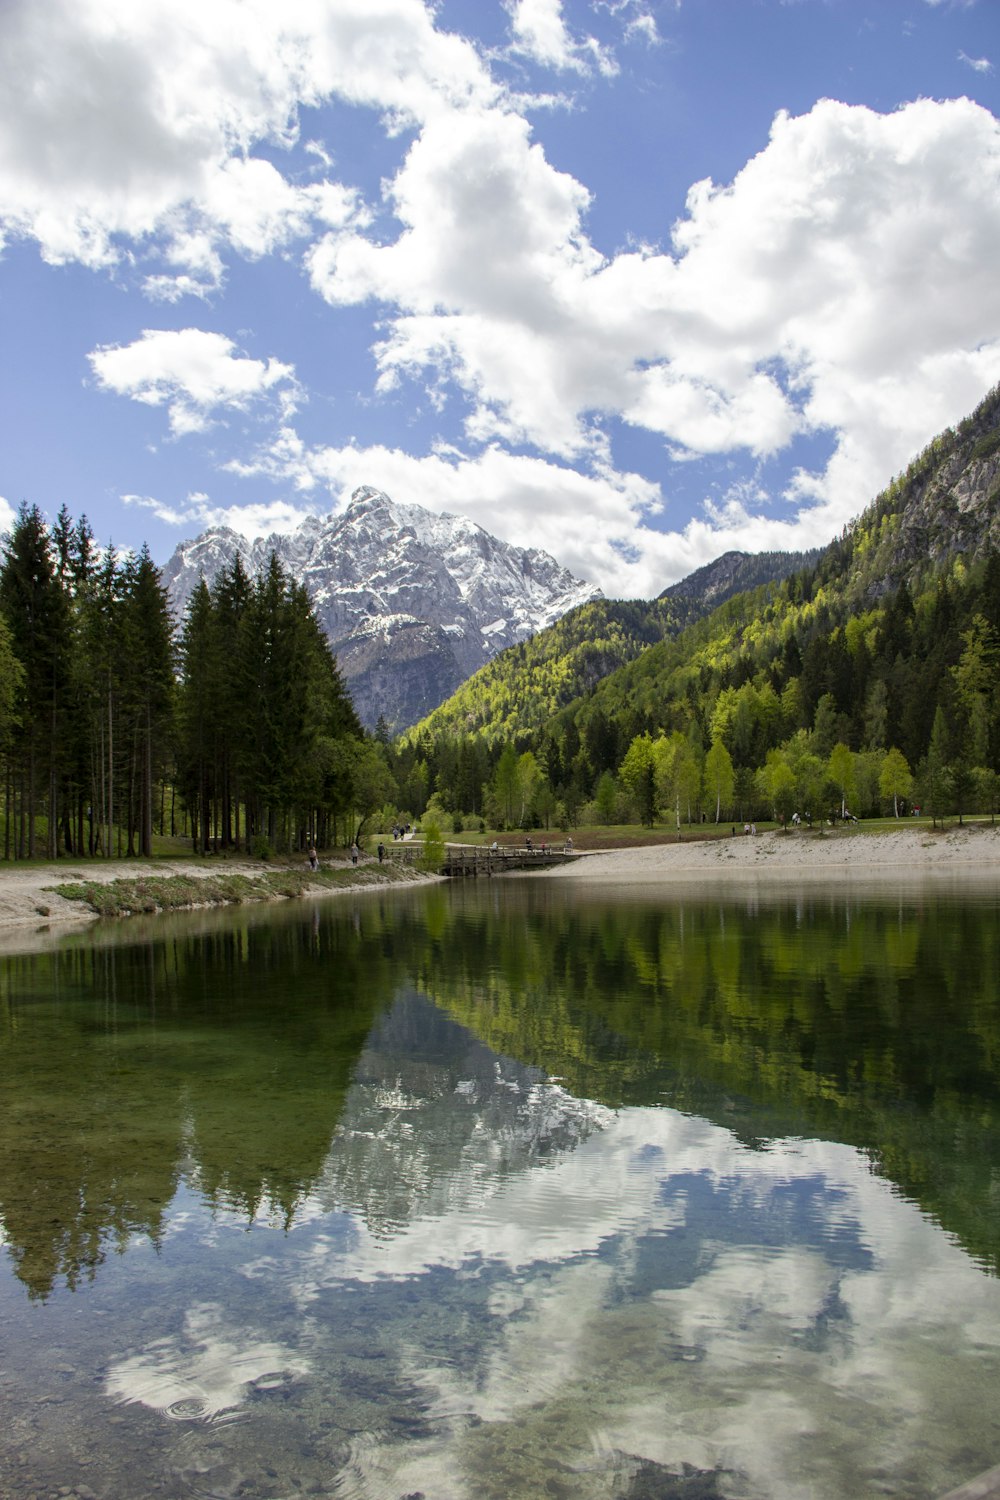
<point x="867" y="681"/>
<point x="241" y="734"/>
<point x="529" y="683"/>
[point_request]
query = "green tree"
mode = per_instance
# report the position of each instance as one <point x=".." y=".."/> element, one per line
<point x="876" y="715"/>
<point x="810" y="774"/>
<point x="935" y="778"/>
<point x="719" y="776"/>
<point x="677" y="775"/>
<point x="895" y="779"/>
<point x="638" y="777"/>
<point x="606" y="797"/>
<point x="506" y="788"/>
<point x="777" y="785"/>
<point x="987" y="783"/>
<point x="433" y="851"/>
<point x="198" y="711"/>
<point x="371" y="783"/>
<point x="829" y="725"/>
<point x="976" y="676"/>
<point x="530" y="778"/>
<point x="37" y="617"/>
<point x="147" y="636"/>
<point x="840" y="769"/>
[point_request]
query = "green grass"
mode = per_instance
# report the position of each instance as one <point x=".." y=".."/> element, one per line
<point x="152" y="893"/>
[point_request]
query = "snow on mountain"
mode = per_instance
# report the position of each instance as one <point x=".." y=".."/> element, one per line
<point x="412" y="602"/>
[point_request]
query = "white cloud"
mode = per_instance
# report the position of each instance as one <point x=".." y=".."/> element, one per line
<point x="539" y="28"/>
<point x="844" y="280"/>
<point x="540" y="32"/>
<point x="123" y="121"/>
<point x="978" y="64"/>
<point x="249" y="521"/>
<point x="193" y="374"/>
<point x="643" y="26"/>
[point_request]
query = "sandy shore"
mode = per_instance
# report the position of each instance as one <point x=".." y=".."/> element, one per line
<point x="799" y="855"/>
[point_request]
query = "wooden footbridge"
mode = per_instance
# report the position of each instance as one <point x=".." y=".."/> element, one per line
<point x="470" y="861"/>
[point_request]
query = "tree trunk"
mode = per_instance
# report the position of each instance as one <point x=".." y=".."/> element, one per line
<point x="31" y="802"/>
<point x="146" y="833"/>
<point x="111" y="774"/>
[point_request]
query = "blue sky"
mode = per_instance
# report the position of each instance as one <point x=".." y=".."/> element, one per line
<point x="635" y="281"/>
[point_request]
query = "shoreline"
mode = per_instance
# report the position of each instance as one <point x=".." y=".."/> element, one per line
<point x="30" y="906"/>
<point x="895" y="856"/>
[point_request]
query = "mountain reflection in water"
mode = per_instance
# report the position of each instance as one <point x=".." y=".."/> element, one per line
<point x="502" y="1191"/>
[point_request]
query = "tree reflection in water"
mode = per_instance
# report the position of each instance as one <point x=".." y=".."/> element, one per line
<point x="222" y="1049"/>
<point x="500" y="1191"/>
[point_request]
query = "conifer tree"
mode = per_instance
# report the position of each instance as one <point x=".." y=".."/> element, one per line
<point x="147" y="633"/>
<point x="37" y="617"/>
<point x="198" y="711"/>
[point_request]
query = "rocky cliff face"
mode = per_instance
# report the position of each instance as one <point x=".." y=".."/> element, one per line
<point x="734" y="572"/>
<point x="953" y="507"/>
<point x="412" y="603"/>
<point x="946" y="505"/>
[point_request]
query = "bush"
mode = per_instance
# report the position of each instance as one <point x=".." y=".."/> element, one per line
<point x="262" y="846"/>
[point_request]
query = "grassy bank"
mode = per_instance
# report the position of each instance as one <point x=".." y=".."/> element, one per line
<point x="151" y="893"/>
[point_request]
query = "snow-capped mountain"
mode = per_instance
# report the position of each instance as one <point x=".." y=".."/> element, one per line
<point x="412" y="603"/>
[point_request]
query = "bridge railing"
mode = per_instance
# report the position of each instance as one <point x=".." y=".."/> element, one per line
<point x="475" y="859"/>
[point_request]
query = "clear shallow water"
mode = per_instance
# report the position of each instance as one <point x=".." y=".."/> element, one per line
<point x="505" y="1192"/>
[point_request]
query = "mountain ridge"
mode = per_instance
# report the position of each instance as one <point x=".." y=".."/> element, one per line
<point x="412" y="602"/>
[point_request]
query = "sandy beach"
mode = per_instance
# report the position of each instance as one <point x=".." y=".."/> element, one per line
<point x="894" y="856"/>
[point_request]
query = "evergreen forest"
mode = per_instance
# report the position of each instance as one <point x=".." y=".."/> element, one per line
<point x="236" y="733"/>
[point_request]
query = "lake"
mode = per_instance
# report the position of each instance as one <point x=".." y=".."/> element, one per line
<point x="505" y="1190"/>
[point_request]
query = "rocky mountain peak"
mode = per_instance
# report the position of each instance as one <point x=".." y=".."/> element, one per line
<point x="412" y="602"/>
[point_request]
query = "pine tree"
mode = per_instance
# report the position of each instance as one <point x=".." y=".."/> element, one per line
<point x="147" y="628"/>
<point x="198" y="711"/>
<point x="230" y="598"/>
<point x="37" y="617"/>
